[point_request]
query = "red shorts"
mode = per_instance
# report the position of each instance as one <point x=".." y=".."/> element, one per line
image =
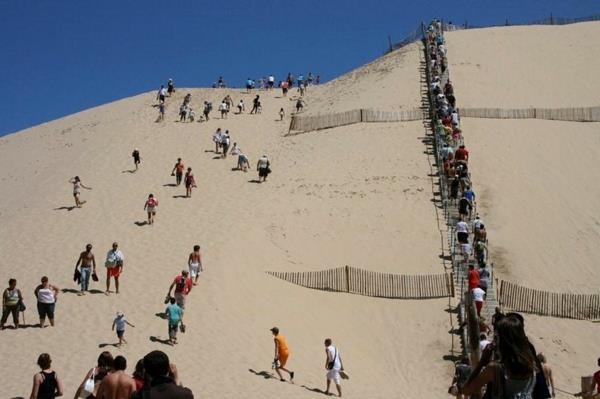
<point x="113" y="272"/>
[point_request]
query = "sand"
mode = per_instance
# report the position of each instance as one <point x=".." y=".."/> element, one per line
<point x="335" y="198"/>
<point x="360" y="195"/>
<point x="535" y="179"/>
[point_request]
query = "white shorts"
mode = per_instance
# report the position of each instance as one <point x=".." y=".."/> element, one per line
<point x="194" y="268"/>
<point x="334" y="375"/>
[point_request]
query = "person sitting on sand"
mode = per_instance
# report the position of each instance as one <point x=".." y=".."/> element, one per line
<point x="241" y="108"/>
<point x="46" y="384"/>
<point x="190" y="182"/>
<point x="282" y="354"/>
<point x="195" y="264"/>
<point x="264" y="168"/>
<point x="163" y="379"/>
<point x="119" y="322"/>
<point x="150" y="206"/>
<point x="77" y="186"/>
<point x="114" y="266"/>
<point x="87" y="260"/>
<point x="11" y="302"/>
<point x="97" y="374"/>
<point x="117" y="384"/>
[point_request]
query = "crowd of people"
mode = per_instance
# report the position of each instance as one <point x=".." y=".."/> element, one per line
<point x="509" y="366"/>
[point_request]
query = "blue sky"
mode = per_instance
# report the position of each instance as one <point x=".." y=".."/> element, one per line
<point x="63" y="56"/>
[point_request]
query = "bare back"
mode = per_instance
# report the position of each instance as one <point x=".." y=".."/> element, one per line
<point x="117" y="385"/>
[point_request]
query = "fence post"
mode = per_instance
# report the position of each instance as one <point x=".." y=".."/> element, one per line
<point x="347" y="270"/>
<point x="452" y="283"/>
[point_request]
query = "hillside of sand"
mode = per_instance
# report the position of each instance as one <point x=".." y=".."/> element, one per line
<point x="334" y="198"/>
<point x="535" y="178"/>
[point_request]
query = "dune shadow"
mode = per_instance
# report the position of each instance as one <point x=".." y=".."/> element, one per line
<point x="265" y="374"/>
<point x="145" y="222"/>
<point x="104" y="345"/>
<point x="65" y="208"/>
<point x="180" y="196"/>
<point x="162" y="315"/>
<point x="170" y="185"/>
<point x="128" y="171"/>
<point x="160" y="340"/>
<point x="254" y="181"/>
<point x="316" y="390"/>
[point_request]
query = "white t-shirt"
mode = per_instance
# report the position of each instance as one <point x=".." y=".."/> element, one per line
<point x="478" y="294"/>
<point x="483" y="344"/>
<point x="163" y="92"/>
<point x="462" y="227"/>
<point x="262" y="162"/>
<point x="333" y="355"/>
<point x="112" y="257"/>
<point x="477" y="223"/>
<point x="271" y="78"/>
<point x="120" y="323"/>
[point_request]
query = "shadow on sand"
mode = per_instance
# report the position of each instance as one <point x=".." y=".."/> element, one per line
<point x="65" y="208"/>
<point x="145" y="222"/>
<point x="74" y="291"/>
<point x="160" y="340"/>
<point x="265" y="374"/>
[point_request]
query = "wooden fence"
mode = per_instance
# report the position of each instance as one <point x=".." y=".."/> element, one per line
<point x="364" y="282"/>
<point x="582" y="114"/>
<point x="528" y="300"/>
<point x="301" y="123"/>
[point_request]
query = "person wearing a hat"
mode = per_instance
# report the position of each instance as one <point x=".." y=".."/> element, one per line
<point x="183" y="285"/>
<point x="281" y="354"/>
<point x="120" y="323"/>
<point x="136" y="158"/>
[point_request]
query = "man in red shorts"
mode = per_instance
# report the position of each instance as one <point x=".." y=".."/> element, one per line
<point x="114" y="266"/>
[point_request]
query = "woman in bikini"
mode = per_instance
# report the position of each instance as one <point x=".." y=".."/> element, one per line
<point x="77" y="186"/>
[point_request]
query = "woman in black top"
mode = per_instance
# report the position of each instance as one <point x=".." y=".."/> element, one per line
<point x="46" y="384"/>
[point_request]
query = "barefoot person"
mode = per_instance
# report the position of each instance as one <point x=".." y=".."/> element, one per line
<point x="333" y="364"/>
<point x="195" y="264"/>
<point x="178" y="171"/>
<point x="77" y="186"/>
<point x="150" y="207"/>
<point x="183" y="286"/>
<point x="46" y="384"/>
<point x="97" y="374"/>
<point x="114" y="266"/>
<point x="117" y="384"/>
<point x="11" y="300"/>
<point x="136" y="158"/>
<point x="46" y="299"/>
<point x="87" y="260"/>
<point x="119" y="322"/>
<point x="190" y="182"/>
<point x="264" y="168"/>
<point x="281" y="354"/>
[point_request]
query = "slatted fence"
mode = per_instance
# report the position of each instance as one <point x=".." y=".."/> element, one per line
<point x="528" y="300"/>
<point x="581" y="114"/>
<point x="301" y="123"/>
<point x="365" y="282"/>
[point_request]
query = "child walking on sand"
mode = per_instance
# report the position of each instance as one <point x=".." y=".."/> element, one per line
<point x="120" y="322"/>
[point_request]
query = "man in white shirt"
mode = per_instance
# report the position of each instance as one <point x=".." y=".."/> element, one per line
<point x="114" y="266"/>
<point x="462" y="232"/>
<point x="271" y="81"/>
<point x="478" y="298"/>
<point x="333" y="364"/>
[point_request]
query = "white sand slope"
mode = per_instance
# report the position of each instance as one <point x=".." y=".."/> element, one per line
<point x="335" y="198"/>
